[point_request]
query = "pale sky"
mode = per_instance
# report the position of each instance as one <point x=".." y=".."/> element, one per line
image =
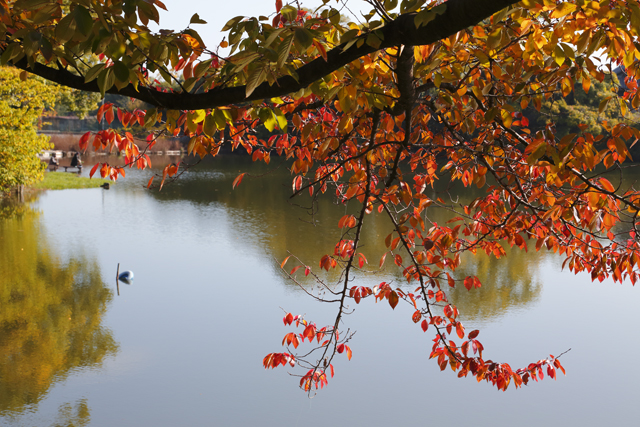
<point x="218" y="12"/>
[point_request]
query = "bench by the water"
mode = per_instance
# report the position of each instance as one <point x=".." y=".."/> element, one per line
<point x="54" y="168"/>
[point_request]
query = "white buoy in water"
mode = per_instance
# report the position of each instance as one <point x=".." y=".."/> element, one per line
<point x="126" y="277"/>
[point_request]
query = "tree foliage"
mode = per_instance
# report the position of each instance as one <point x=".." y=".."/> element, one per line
<point x="21" y="105"/>
<point x="373" y="114"/>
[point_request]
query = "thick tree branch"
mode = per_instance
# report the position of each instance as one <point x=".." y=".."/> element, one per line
<point x="458" y="15"/>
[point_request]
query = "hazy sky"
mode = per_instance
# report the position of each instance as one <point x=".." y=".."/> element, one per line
<point x="218" y="12"/>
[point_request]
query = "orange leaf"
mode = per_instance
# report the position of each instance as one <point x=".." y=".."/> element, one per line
<point x="349" y="353"/>
<point x="607" y="185"/>
<point x="238" y="180"/>
<point x="285" y="261"/>
<point x="460" y="330"/>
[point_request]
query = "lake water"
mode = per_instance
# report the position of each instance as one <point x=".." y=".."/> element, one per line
<point x="183" y="345"/>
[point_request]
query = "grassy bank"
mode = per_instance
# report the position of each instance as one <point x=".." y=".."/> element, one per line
<point x="64" y="181"/>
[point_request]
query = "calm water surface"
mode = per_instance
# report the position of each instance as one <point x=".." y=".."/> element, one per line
<point x="183" y="345"/>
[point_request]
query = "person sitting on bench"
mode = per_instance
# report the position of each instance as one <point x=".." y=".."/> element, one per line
<point x="53" y="162"/>
<point x="75" y="161"/>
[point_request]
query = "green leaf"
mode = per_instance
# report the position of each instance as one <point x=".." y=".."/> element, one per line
<point x="83" y="19"/>
<point x="30" y="4"/>
<point x="121" y="71"/>
<point x="231" y="23"/>
<point x="603" y="105"/>
<point x="243" y="59"/>
<point x="105" y="80"/>
<point x="93" y="72"/>
<point x="283" y="50"/>
<point x="274" y="34"/>
<point x="65" y="29"/>
<point x="209" y="127"/>
<point x="9" y="53"/>
<point x="195" y="19"/>
<point x="220" y="119"/>
<point x="255" y="78"/>
<point x="267" y="118"/>
<point x="373" y="40"/>
<point x="165" y="75"/>
<point x="304" y="38"/>
<point x="150" y="118"/>
<point x="427" y="15"/>
<point x="201" y="68"/>
<point x="349" y="35"/>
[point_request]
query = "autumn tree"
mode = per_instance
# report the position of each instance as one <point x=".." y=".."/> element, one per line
<point x="374" y="113"/>
<point x="22" y="101"/>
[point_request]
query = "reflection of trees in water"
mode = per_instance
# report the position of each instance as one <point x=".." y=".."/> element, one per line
<point x="507" y="283"/>
<point x="73" y="415"/>
<point x="260" y="214"/>
<point x="50" y="321"/>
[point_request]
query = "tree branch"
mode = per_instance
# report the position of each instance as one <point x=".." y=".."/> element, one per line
<point x="458" y="15"/>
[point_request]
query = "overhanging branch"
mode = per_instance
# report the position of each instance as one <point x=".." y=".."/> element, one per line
<point x="458" y="15"/>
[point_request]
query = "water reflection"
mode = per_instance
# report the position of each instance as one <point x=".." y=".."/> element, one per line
<point x="274" y="225"/>
<point x="50" y="322"/>
<point x="77" y="415"/>
<point x="508" y="283"/>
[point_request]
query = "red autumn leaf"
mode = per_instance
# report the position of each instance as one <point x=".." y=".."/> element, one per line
<point x="416" y="316"/>
<point x="393" y="299"/>
<point x="340" y="348"/>
<point x="84" y="141"/>
<point x="450" y="281"/>
<point x="468" y="283"/>
<point x="278" y="5"/>
<point x="288" y="319"/>
<point x="382" y="259"/>
<point x="109" y="114"/>
<point x="150" y="181"/>
<point x="94" y="169"/>
<point x="424" y="325"/>
<point x="361" y="260"/>
<point x="321" y="49"/>
<point x="557" y="364"/>
<point x="473" y="334"/>
<point x="448" y="311"/>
